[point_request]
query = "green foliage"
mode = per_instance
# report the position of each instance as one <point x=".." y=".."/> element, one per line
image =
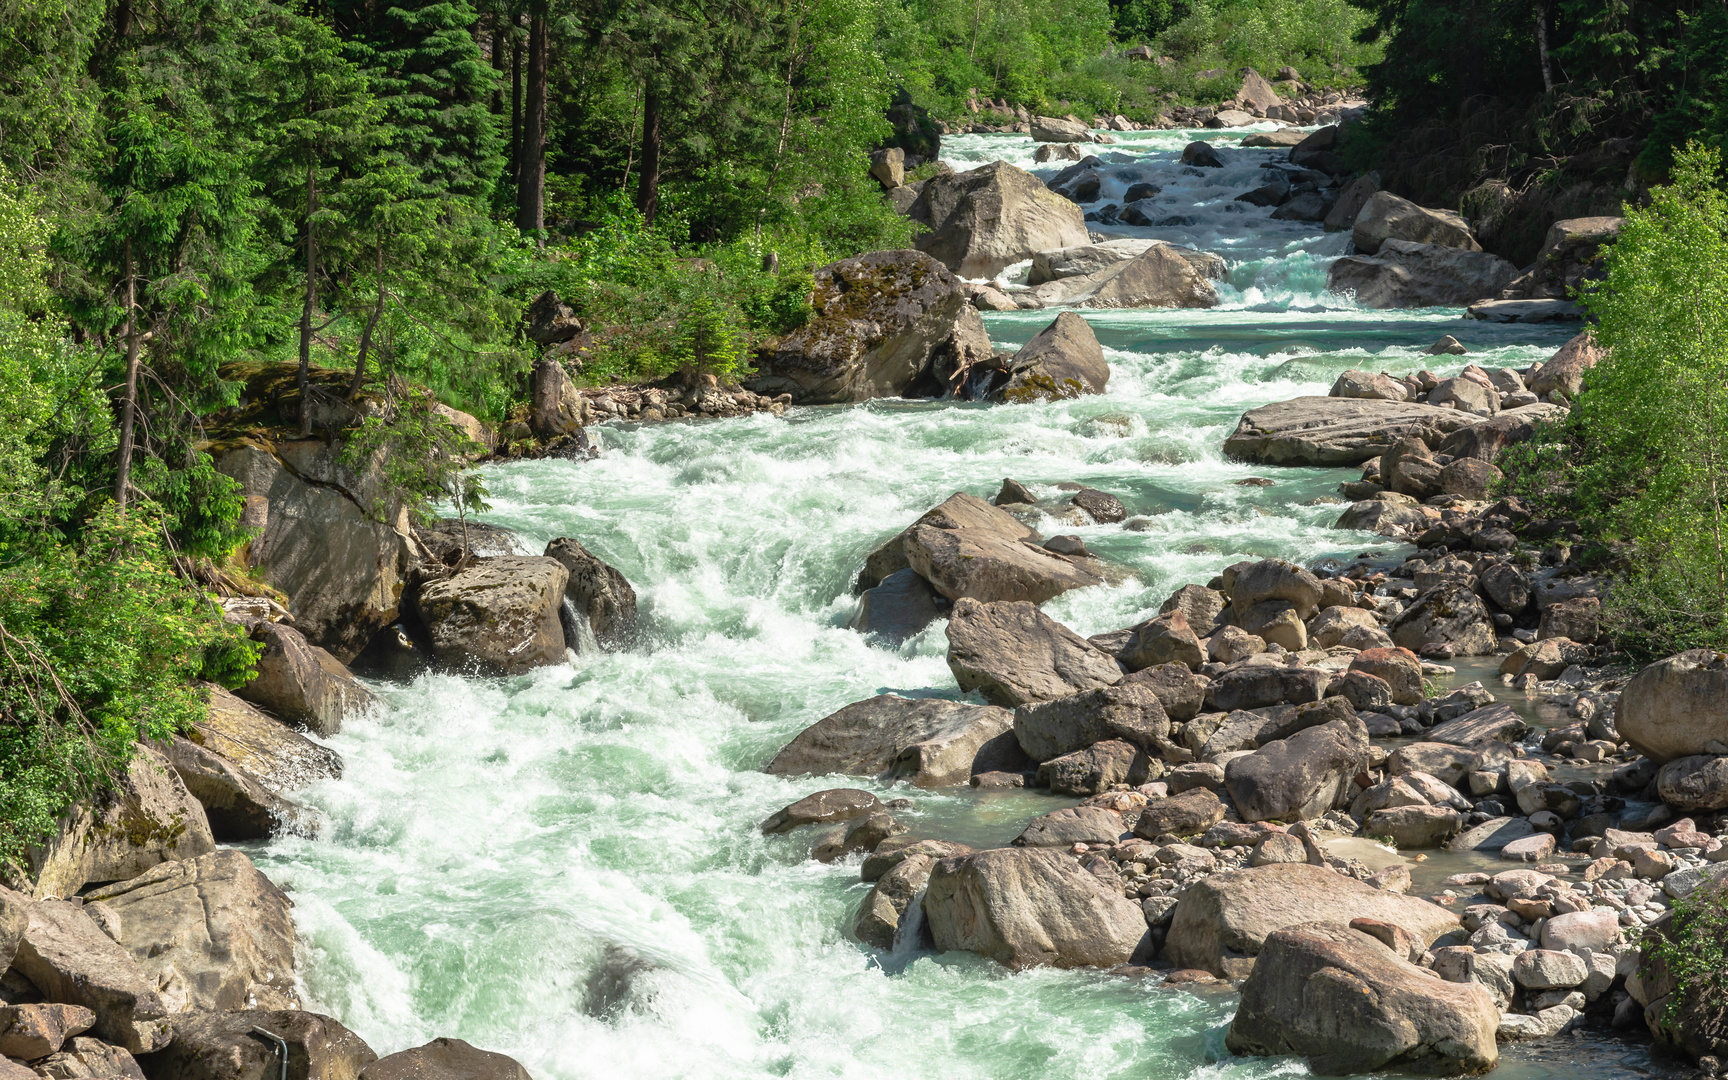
<point x="420" y="457"/>
<point x="101" y="645"/>
<point x="1642" y="460"/>
<point x="1694" y="948"/>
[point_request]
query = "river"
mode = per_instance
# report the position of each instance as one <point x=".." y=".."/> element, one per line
<point x="565" y="866"/>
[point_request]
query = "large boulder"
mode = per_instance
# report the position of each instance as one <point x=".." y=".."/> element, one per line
<point x="238" y="804"/>
<point x="1571" y="256"/>
<point x="1399" y="668"/>
<point x="1491" y="723"/>
<point x="1486" y="439"/>
<point x="899" y="608"/>
<point x="1694" y="784"/>
<point x="1164" y="275"/>
<point x="959" y="512"/>
<point x="1064" y="360"/>
<point x="1073" y="825"/>
<point x="1565" y="370"/>
<point x="885" y="324"/>
<point x="1084" y="259"/>
<point x="1404" y="274"/>
<point x="1677" y="706"/>
<point x="1259" y="686"/>
<point x="828" y="807"/>
<point x="1128" y="711"/>
<point x="1188" y="814"/>
<point x="280" y="757"/>
<point x="1225" y="918"/>
<point x="221" y="1045"/>
<point x="1243" y="729"/>
<point x="1056" y="129"/>
<point x="1346" y="1002"/>
<point x="301" y="683"/>
<point x="1029" y="907"/>
<point x="598" y="592"/>
<point x="445" y="1059"/>
<point x="987" y="565"/>
<point x="29" y="1032"/>
<point x="500" y="614"/>
<point x="879" y="916"/>
<point x="212" y="932"/>
<point x="69" y="959"/>
<point x="984" y="220"/>
<point x="1448" y="614"/>
<point x="319" y="541"/>
<point x="1165" y="640"/>
<point x="1385" y="216"/>
<point x="1275" y="579"/>
<point x="931" y="742"/>
<point x="147" y="818"/>
<point x="554" y="407"/>
<point x="1336" y="431"/>
<point x="1012" y="653"/>
<point x="1300" y="777"/>
<point x="1363" y="384"/>
<point x="1350" y="203"/>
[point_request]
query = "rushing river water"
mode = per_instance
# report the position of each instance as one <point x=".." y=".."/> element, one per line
<point x="565" y="866"/>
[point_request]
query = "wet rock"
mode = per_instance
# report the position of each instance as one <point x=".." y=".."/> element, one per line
<point x="72" y="962"/>
<point x="1412" y="827"/>
<point x="446" y="1059"/>
<point x="1386" y="217"/>
<point x="1343" y="214"/>
<point x="822" y="808"/>
<point x="1328" y="431"/>
<point x="1201" y="155"/>
<point x="1012" y="653"/>
<point x="1064" y="360"/>
<point x="598" y="592"/>
<point x="501" y="614"/>
<point x="1491" y="723"/>
<point x="879" y="916"/>
<point x="960" y="512"/>
<point x="1188" y="814"/>
<point x="212" y="932"/>
<point x="897" y="849"/>
<point x="1100" y="506"/>
<point x="899" y="608"/>
<point x="885" y="324"/>
<point x="555" y="407"/>
<point x="1361" y="384"/>
<point x="150" y="818"/>
<point x="1164" y="275"/>
<point x="1449" y="614"/>
<point x="864" y="833"/>
<point x="1027" y="907"/>
<point x="1075" y="825"/>
<point x="1492" y="835"/>
<point x="303" y="684"/>
<point x="984" y="564"/>
<point x="932" y="742"/>
<point x="221" y="1045"/>
<point x="1300" y="777"/>
<point x="1348" y="1004"/>
<point x="1225" y="918"/>
<point x="984" y="220"/>
<point x="280" y="757"/>
<point x="1131" y="712"/>
<point x="237" y="804"/>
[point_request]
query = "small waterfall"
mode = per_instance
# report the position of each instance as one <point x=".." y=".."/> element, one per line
<point x="578" y="633"/>
<point x="910" y="932"/>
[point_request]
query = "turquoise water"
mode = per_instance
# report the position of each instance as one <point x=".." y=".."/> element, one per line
<point x="564" y="866"/>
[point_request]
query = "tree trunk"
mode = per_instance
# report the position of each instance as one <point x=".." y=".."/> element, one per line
<point x="648" y="187"/>
<point x="304" y="383"/>
<point x="515" y="103"/>
<point x="1542" y="47"/>
<point x="129" y="409"/>
<point x="531" y="188"/>
<point x="366" y="334"/>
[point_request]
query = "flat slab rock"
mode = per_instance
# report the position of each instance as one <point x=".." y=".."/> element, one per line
<point x="1336" y="431"/>
<point x="1491" y="723"/>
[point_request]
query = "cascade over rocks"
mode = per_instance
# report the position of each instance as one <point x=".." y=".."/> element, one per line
<point x="598" y="591"/>
<point x="886" y="324"/>
<point x="985" y="220"/>
<point x="879" y="916"/>
<point x="1031" y="907"/>
<point x="1336" y="431"/>
<point x="1013" y="654"/>
<point x="1347" y="1003"/>
<point x="929" y="741"/>
<point x="500" y="614"/>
